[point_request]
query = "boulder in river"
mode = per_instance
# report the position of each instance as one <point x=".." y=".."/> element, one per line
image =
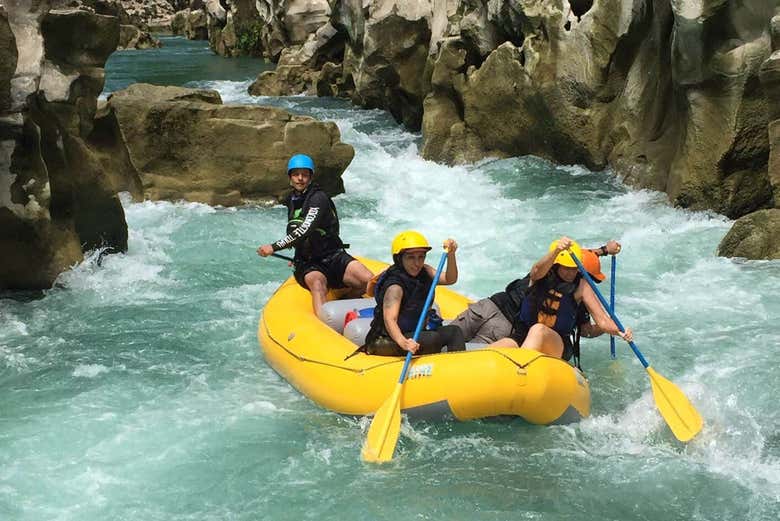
<point x="188" y="145"/>
<point x="754" y="236"/>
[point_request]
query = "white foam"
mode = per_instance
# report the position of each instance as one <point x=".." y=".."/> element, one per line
<point x="89" y="370"/>
<point x="259" y="407"/>
<point x="14" y="358"/>
<point x="141" y="272"/>
<point x="229" y="91"/>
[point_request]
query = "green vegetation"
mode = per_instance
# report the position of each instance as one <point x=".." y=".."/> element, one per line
<point x="249" y="38"/>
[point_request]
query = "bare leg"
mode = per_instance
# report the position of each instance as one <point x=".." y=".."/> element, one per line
<point x="504" y="342"/>
<point x="318" y="286"/>
<point x="356" y="277"/>
<point x="544" y="339"/>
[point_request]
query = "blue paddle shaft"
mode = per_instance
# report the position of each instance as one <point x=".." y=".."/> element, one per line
<point x="424" y="313"/>
<point x="612" y="305"/>
<point x="606" y="307"/>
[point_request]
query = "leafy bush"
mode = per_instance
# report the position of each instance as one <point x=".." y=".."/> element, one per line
<point x="249" y="38"/>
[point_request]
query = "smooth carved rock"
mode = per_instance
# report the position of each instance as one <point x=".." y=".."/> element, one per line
<point x="131" y="37"/>
<point x="304" y="17"/>
<point x="770" y="81"/>
<point x="196" y="25"/>
<point x="56" y="200"/>
<point x="8" y="59"/>
<point x="296" y="72"/>
<point x="662" y="95"/>
<point x="754" y="236"/>
<point x="392" y="71"/>
<point x="188" y="145"/>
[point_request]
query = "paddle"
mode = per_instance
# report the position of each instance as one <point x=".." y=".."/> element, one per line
<point x="283" y="257"/>
<point x="383" y="432"/>
<point x="681" y="416"/>
<point x="612" y="306"/>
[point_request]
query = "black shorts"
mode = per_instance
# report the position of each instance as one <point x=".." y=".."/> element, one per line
<point x="519" y="332"/>
<point x="332" y="266"/>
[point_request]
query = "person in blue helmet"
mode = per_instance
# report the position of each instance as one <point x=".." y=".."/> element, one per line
<point x="313" y="231"/>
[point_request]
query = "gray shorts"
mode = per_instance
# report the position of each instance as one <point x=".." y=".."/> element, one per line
<point x="483" y="322"/>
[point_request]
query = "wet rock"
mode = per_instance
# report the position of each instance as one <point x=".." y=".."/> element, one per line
<point x="196" y="25"/>
<point x="305" y="17"/>
<point x="297" y="71"/>
<point x="189" y="146"/>
<point x="770" y="81"/>
<point x="131" y="37"/>
<point x="56" y="201"/>
<point x="668" y="95"/>
<point x="754" y="236"/>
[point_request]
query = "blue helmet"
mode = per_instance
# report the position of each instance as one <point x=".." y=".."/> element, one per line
<point x="300" y="161"/>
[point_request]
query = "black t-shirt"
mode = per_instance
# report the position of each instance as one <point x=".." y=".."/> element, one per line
<point x="312" y="224"/>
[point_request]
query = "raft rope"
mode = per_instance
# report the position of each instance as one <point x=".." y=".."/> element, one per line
<point x="394" y="360"/>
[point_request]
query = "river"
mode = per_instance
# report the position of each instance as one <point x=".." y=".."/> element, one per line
<point x="135" y="389"/>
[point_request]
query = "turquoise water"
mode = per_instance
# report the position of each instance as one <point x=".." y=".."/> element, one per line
<point x="136" y="389"/>
<point x="178" y="62"/>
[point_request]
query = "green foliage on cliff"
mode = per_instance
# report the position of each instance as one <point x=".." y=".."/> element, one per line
<point x="249" y="38"/>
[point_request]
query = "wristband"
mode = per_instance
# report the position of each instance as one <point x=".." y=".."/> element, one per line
<point x="603" y="250"/>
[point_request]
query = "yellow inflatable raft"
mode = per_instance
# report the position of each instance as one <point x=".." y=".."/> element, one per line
<point x="470" y="384"/>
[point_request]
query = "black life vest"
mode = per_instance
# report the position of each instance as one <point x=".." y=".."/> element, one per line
<point x="551" y="302"/>
<point x="325" y="239"/>
<point x="510" y="300"/>
<point x="415" y="291"/>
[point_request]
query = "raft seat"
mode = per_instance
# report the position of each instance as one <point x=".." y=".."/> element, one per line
<point x="357" y="329"/>
<point x="334" y="312"/>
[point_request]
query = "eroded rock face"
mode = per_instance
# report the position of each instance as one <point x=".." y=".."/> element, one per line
<point x="262" y="27"/>
<point x="55" y="200"/>
<point x="300" y="67"/>
<point x="668" y="95"/>
<point x="131" y="37"/>
<point x="147" y="13"/>
<point x="188" y="145"/>
<point x="136" y="18"/>
<point x="673" y="95"/>
<point x="754" y="236"/>
<point x="770" y="81"/>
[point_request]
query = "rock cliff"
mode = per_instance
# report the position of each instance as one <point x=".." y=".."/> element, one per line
<point x="56" y="200"/>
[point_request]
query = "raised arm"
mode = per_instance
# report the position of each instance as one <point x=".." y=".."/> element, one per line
<point x="543" y="265"/>
<point x="450" y="275"/>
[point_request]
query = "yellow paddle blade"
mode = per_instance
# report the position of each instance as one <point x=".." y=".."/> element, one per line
<point x="384" y="429"/>
<point x="681" y="416"/>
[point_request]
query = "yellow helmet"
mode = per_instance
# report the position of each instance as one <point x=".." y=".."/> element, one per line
<point x="563" y="258"/>
<point x="409" y="239"/>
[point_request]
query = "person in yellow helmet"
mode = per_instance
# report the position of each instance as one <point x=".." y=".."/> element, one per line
<point x="400" y="295"/>
<point x="490" y="319"/>
<point x="549" y="312"/>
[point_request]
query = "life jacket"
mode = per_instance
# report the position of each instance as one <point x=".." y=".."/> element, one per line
<point x="323" y="240"/>
<point x="415" y="291"/>
<point x="510" y="300"/>
<point x="551" y="302"/>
